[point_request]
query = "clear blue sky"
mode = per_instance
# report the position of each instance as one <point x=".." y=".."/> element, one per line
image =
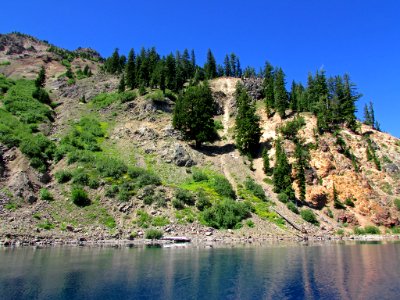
<point x="360" y="37"/>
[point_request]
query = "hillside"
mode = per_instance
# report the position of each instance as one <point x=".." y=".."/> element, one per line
<point x="98" y="165"/>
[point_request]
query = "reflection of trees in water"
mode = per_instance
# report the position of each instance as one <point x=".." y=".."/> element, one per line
<point x="330" y="271"/>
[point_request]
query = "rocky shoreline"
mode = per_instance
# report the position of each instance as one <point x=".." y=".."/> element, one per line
<point x="42" y="241"/>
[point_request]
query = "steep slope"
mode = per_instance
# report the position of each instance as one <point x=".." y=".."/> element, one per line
<point x="132" y="164"/>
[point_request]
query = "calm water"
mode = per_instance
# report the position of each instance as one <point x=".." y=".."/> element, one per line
<point x="333" y="271"/>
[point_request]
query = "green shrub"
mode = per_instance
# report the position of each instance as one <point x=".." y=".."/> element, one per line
<point x="79" y="196"/>
<point x="397" y="203"/>
<point x="112" y="190"/>
<point x="104" y="100"/>
<point x="157" y="95"/>
<point x="80" y="177"/>
<point x="283" y="197"/>
<point x="340" y="232"/>
<point x="185" y="196"/>
<point x="359" y="231"/>
<point x="63" y="176"/>
<point x="349" y="202"/>
<point x="396" y="230"/>
<point x="255" y="188"/>
<point x="45" y="195"/>
<point x="290" y="129"/>
<point x="291" y="206"/>
<point x="144" y="219"/>
<point x="146" y="179"/>
<point x="93" y="183"/>
<point x="250" y="223"/>
<point x="372" y="230"/>
<point x="223" y="187"/>
<point x="124" y="195"/>
<point x="202" y="201"/>
<point x="329" y="213"/>
<point x="160" y="221"/>
<point x="198" y="175"/>
<point x="218" y="125"/>
<point x="178" y="204"/>
<point x="309" y="216"/>
<point x="111" y="167"/>
<point x="46" y="225"/>
<point x="154" y="234"/>
<point x="226" y="214"/>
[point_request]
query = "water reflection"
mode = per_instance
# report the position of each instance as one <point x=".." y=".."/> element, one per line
<point x="332" y="271"/>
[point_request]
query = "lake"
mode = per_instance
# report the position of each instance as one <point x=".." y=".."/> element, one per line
<point x="364" y="270"/>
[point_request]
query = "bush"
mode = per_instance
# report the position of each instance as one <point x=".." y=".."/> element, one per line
<point x="255" y="188"/>
<point x="45" y="195"/>
<point x="291" y="206"/>
<point x="178" y="204"/>
<point x="80" y="177"/>
<point x="223" y="187"/>
<point x="226" y="214"/>
<point x="63" y="176"/>
<point x="218" y="125"/>
<point x="46" y="225"/>
<point x="185" y="196"/>
<point x="202" y="201"/>
<point x="349" y="202"/>
<point x="283" y="197"/>
<point x="157" y="95"/>
<point x="111" y="168"/>
<point x="329" y="213"/>
<point x="340" y="232"/>
<point x="198" y="175"/>
<point x="372" y="230"/>
<point x="146" y="179"/>
<point x="309" y="216"/>
<point x="79" y="196"/>
<point x="154" y="234"/>
<point x="397" y="203"/>
<point x="160" y="221"/>
<point x="250" y="223"/>
<point x="290" y="129"/>
<point x="112" y="191"/>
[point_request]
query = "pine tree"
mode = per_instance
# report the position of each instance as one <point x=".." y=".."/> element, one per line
<point x="268" y="86"/>
<point x="86" y="71"/>
<point x="227" y="66"/>
<point x="193" y="62"/>
<point x="266" y="165"/>
<point x="238" y="69"/>
<point x="121" y="86"/>
<point x="233" y="60"/>
<point x="210" y="67"/>
<point x="170" y="72"/>
<point x="130" y="70"/>
<point x="282" y="172"/>
<point x="348" y="106"/>
<point x="293" y="97"/>
<point x="369" y="115"/>
<point x="193" y="114"/>
<point x="302" y="157"/>
<point x="280" y="94"/>
<point x="41" y="79"/>
<point x="247" y="131"/>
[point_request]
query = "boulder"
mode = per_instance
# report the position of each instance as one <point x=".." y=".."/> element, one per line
<point x="347" y="217"/>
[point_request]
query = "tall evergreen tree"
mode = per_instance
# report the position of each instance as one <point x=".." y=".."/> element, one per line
<point x="227" y="66"/>
<point x="130" y="70"/>
<point x="233" y="60"/>
<point x="266" y="164"/>
<point x="193" y="114"/>
<point x="122" y="85"/>
<point x="280" y="93"/>
<point x="193" y="61"/>
<point x="282" y="172"/>
<point x="170" y="72"/>
<point x="210" y="67"/>
<point x="348" y="106"/>
<point x="41" y="79"/>
<point x="247" y="131"/>
<point x="302" y="158"/>
<point x="268" y="86"/>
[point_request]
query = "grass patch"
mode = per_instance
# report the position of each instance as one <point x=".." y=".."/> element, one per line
<point x="46" y="195"/>
<point x="5" y="63"/>
<point x="154" y="234"/>
<point x="104" y="100"/>
<point x="367" y="230"/>
<point x="46" y="225"/>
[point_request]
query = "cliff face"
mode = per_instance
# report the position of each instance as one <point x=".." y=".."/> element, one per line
<point x="364" y="167"/>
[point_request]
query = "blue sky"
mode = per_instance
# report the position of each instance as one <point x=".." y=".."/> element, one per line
<point x="361" y="38"/>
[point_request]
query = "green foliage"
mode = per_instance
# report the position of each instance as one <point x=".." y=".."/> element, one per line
<point x="193" y="114"/>
<point x="290" y="129"/>
<point x="5" y="63"/>
<point x="336" y="202"/>
<point x="349" y="202"/>
<point x="79" y="196"/>
<point x="46" y="225"/>
<point x="46" y="195"/>
<point x="113" y="168"/>
<point x="266" y="164"/>
<point x="397" y="203"/>
<point x="250" y="223"/>
<point x="185" y="197"/>
<point x="309" y="216"/>
<point x="154" y="234"/>
<point x="247" y="130"/>
<point x="283" y="197"/>
<point x="160" y="221"/>
<point x="80" y="177"/>
<point x="222" y="186"/>
<point x="255" y="189"/>
<point x="329" y="213"/>
<point x="199" y="175"/>
<point x="218" y="125"/>
<point x="396" y="230"/>
<point x="144" y="219"/>
<point x="280" y="93"/>
<point x="340" y="232"/>
<point x="226" y="214"/>
<point x="282" y="170"/>
<point x="202" y="202"/>
<point x="367" y="230"/>
<point x="104" y="100"/>
<point x="291" y="206"/>
<point x="157" y="95"/>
